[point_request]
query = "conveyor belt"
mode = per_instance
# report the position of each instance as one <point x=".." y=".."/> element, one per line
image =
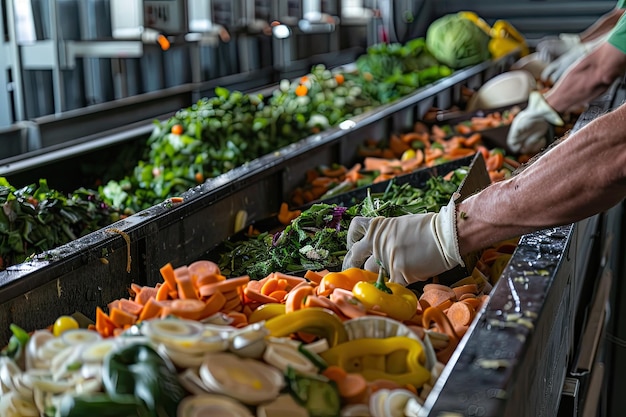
<point x="506" y="365"/>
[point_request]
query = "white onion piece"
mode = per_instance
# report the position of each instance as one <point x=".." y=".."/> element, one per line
<point x="211" y="405"/>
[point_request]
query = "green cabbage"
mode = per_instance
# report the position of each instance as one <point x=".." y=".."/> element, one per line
<point x="457" y="42"/>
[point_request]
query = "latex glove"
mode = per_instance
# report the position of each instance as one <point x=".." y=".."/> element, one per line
<point x="411" y="248"/>
<point x="527" y="133"/>
<point x="555" y="69"/>
<point x="551" y="48"/>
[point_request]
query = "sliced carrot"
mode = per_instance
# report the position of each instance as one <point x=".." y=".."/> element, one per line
<point x="232" y="305"/>
<point x="465" y="289"/>
<point x="473" y="140"/>
<point x="167" y="272"/>
<point x="121" y="318"/>
<point x="163" y="292"/>
<point x="184" y="285"/>
<point x="353" y="387"/>
<point x="113" y="304"/>
<point x="150" y="310"/>
<point x="279" y="295"/>
<point x="460" y="314"/>
<point x="223" y="286"/>
<point x="435" y="297"/>
<point x="256" y="296"/>
<point x="314" y="276"/>
<point x="135" y="289"/>
<point x="295" y="298"/>
<point x="104" y="324"/>
<point x="130" y="306"/>
<point x="145" y="294"/>
<point x="238" y="318"/>
<point x="270" y="286"/>
<point x="334" y="373"/>
<point x="292" y="280"/>
<point x="494" y="162"/>
<point x="202" y="269"/>
<point x="213" y="304"/>
<point x="186" y="308"/>
<point x="472" y="302"/>
<point x="433" y="314"/>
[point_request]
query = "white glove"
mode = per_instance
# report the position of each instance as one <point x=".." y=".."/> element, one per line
<point x="528" y="129"/>
<point x="550" y="48"/>
<point x="411" y="248"/>
<point x="555" y="69"/>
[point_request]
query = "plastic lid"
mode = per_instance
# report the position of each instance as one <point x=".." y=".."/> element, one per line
<point x="506" y="89"/>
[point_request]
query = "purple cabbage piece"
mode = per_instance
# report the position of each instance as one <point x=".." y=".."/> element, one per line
<point x="335" y="223"/>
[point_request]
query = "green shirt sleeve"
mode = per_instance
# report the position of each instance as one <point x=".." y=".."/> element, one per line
<point x="617" y="37"/>
<point x="621" y="4"/>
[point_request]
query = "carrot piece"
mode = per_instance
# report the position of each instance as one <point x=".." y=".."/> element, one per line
<point x="145" y="294"/>
<point x="151" y="309"/>
<point x="113" y="304"/>
<point x="223" y="286"/>
<point x="494" y="162"/>
<point x="190" y="308"/>
<point x="285" y="216"/>
<point x="238" y="318"/>
<point x="186" y="289"/>
<point x="465" y="289"/>
<point x="203" y="269"/>
<point x="130" y="306"/>
<point x="334" y="373"/>
<point x="121" y="318"/>
<point x="314" y="276"/>
<point x="317" y="301"/>
<point x="292" y="280"/>
<point x="347" y="303"/>
<point x="295" y="299"/>
<point x="135" y="289"/>
<point x="473" y="140"/>
<point x="270" y="286"/>
<point x="279" y="295"/>
<point x="254" y="295"/>
<point x="212" y="305"/>
<point x="104" y="324"/>
<point x="167" y="272"/>
<point x="473" y="302"/>
<point x="435" y="297"/>
<point x="163" y="293"/>
<point x="433" y="314"/>
<point x="353" y="387"/>
<point x="233" y="304"/>
<point x="460" y="314"/>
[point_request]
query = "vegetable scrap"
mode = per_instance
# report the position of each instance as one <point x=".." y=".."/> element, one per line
<point x="317" y="345"/>
<point x="316" y="239"/>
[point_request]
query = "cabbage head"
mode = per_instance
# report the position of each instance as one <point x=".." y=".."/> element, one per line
<point x="457" y="41"/>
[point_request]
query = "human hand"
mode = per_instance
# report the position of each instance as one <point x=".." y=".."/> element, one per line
<point x="550" y="48"/>
<point x="555" y="69"/>
<point x="411" y="248"/>
<point x="527" y="133"/>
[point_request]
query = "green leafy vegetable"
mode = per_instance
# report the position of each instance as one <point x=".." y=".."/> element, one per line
<point x="457" y="41"/>
<point x="317" y="238"/>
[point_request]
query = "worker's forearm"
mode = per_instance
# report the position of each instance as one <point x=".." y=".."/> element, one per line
<point x="583" y="175"/>
<point x="585" y="81"/>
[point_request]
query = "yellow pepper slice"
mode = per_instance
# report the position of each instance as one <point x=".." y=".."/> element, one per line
<point x="315" y="320"/>
<point x="381" y="359"/>
<point x="395" y="300"/>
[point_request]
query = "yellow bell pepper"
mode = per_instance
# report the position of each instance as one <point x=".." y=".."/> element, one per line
<point x="315" y="320"/>
<point x="505" y="39"/>
<point x="345" y="279"/>
<point x="266" y="312"/>
<point x="395" y="300"/>
<point x="478" y="21"/>
<point x="398" y="358"/>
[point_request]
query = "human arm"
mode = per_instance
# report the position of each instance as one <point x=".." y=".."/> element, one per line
<point x="588" y="78"/>
<point x="580" y="176"/>
<point x="581" y="83"/>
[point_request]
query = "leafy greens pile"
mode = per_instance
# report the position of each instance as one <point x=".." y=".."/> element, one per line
<point x="36" y="218"/>
<point x="317" y="238"/>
